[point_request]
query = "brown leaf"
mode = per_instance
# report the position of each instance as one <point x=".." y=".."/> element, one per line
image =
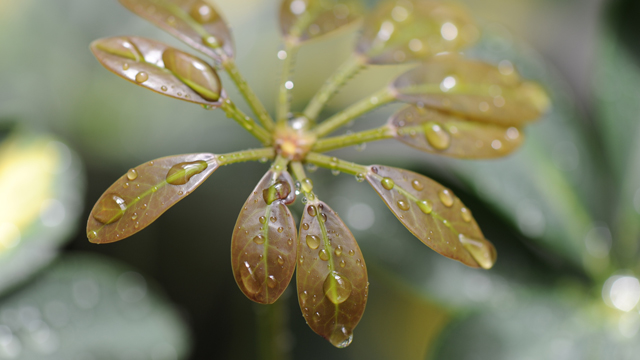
<point x="195" y="22"/>
<point x="439" y="133"/>
<point x="332" y="276"/>
<point x="142" y="61"/>
<point x="473" y="90"/>
<point x="144" y="193"/>
<point x="263" y="252"/>
<point x="433" y="214"/>
<point x="303" y="20"/>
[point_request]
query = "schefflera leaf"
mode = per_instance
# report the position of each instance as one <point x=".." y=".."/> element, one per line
<point x="472" y="89"/>
<point x="263" y="250"/>
<point x="160" y="68"/>
<point x="302" y="20"/>
<point x="433" y="214"/>
<point x="195" y="22"/>
<point x="409" y="30"/>
<point x="439" y="133"/>
<point x="144" y="193"/>
<point x="332" y="277"/>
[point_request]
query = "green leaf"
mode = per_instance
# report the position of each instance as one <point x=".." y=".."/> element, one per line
<point x="412" y="30"/>
<point x="472" y="89"/>
<point x="303" y="20"/>
<point x="195" y="22"/>
<point x="332" y="277"/>
<point x="160" y="68"/>
<point x="144" y="193"/>
<point x="263" y="253"/>
<point x="433" y="214"/>
<point x="439" y="133"/>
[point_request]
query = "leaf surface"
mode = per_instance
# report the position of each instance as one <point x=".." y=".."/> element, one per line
<point x="433" y="214"/>
<point x="332" y="277"/>
<point x="160" y="68"/>
<point x="144" y="193"/>
<point x="302" y="20"/>
<point x="472" y="89"/>
<point x="263" y="251"/>
<point x="399" y="32"/>
<point x="439" y="133"/>
<point x="195" y="22"/>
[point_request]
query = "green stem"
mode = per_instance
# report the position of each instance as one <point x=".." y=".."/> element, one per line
<point x="356" y="110"/>
<point x="284" y="100"/>
<point x="246" y="122"/>
<point x="246" y="155"/>
<point x="337" y="142"/>
<point x="345" y="72"/>
<point x="254" y="102"/>
<point x="280" y="164"/>
<point x="334" y="163"/>
<point x="271" y="326"/>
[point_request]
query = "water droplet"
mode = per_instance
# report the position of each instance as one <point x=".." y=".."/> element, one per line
<point x="351" y="252"/>
<point x="164" y="88"/>
<point x="181" y="173"/>
<point x="446" y="197"/>
<point x="142" y="77"/>
<point x="358" y="262"/>
<point x="304" y="296"/>
<point x="280" y="229"/>
<point x="289" y="241"/>
<point x="280" y="260"/>
<point x="466" y="214"/>
<point x="311" y="210"/>
<point x="211" y="41"/>
<point x="338" y="250"/>
<point x="313" y="242"/>
<point x="437" y="136"/>
<point x="194" y="72"/>
<point x="335" y="172"/>
<point x="324" y="217"/>
<point x="125" y="66"/>
<point x="132" y="174"/>
<point x="259" y="239"/>
<point x="312" y="167"/>
<point x="323" y="254"/>
<point x="342" y="263"/>
<point x="316" y="317"/>
<point x="403" y="205"/>
<point x="125" y="185"/>
<point x="417" y="185"/>
<point x="301" y="259"/>
<point x="271" y="281"/>
<point x="263" y="160"/>
<point x="273" y="219"/>
<point x="360" y="177"/>
<point x="337" y="288"/>
<point x="278" y="191"/>
<point x="111" y="208"/>
<point x="92" y="235"/>
<point x="388" y="183"/>
<point x="425" y="206"/>
<point x="249" y="281"/>
<point x="482" y="251"/>
<point x="305" y="226"/>
<point x="361" y="147"/>
<point x="134" y="216"/>
<point x="262" y="219"/>
<point x="341" y="337"/>
<point x="203" y="12"/>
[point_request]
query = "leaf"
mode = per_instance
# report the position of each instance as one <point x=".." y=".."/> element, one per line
<point x="303" y="20"/>
<point x="332" y="277"/>
<point x="160" y="68"/>
<point x="263" y="254"/>
<point x="433" y="214"/>
<point x="399" y="32"/>
<point x="472" y="89"/>
<point x="195" y="22"/>
<point x="144" y="193"/>
<point x="438" y="133"/>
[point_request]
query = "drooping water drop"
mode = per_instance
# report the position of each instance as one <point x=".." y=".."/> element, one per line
<point x="258" y="239"/>
<point x="403" y="205"/>
<point x="437" y="136"/>
<point x="388" y="183"/>
<point x="425" y="206"/>
<point x="323" y="254"/>
<point x="181" y="173"/>
<point x="481" y="250"/>
<point x="341" y="337"/>
<point x="466" y="214"/>
<point x="278" y="191"/>
<point x="142" y="77"/>
<point x="271" y="281"/>
<point x="446" y="197"/>
<point x="360" y="177"/>
<point x="313" y="241"/>
<point x="337" y="288"/>
<point x="132" y="174"/>
<point x="110" y="209"/>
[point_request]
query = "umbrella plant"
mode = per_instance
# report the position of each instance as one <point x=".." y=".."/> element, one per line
<point x="454" y="107"/>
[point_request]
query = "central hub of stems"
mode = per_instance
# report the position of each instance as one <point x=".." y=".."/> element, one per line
<point x="293" y="140"/>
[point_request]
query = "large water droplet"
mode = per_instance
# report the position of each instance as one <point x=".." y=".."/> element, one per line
<point x="278" y="191"/>
<point x="323" y="254"/>
<point x="142" y="77"/>
<point x="132" y="174"/>
<point x="305" y="226"/>
<point x="110" y="209"/>
<point x="280" y="260"/>
<point x="181" y="173"/>
<point x="312" y="211"/>
<point x="482" y="251"/>
<point x="313" y="242"/>
<point x="337" y="288"/>
<point x="466" y="214"/>
<point x="388" y="183"/>
<point x="403" y="205"/>
<point x="338" y="250"/>
<point x="437" y="136"/>
<point x="249" y="281"/>
<point x="195" y="73"/>
<point x="259" y="239"/>
<point x="446" y="197"/>
<point x="417" y="185"/>
<point x="306" y="185"/>
<point x="341" y="337"/>
<point x="203" y="12"/>
<point x="271" y="281"/>
<point x="425" y="206"/>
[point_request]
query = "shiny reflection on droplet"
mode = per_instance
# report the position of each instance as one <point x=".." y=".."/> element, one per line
<point x="449" y="31"/>
<point x="341" y="337"/>
<point x="86" y="293"/>
<point x="448" y="83"/>
<point x="52" y="213"/>
<point x="131" y="286"/>
<point x="288" y="85"/>
<point x="621" y="292"/>
<point x="360" y="216"/>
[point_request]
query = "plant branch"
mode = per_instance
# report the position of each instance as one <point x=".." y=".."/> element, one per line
<point x="334" y="163"/>
<point x="337" y="142"/>
<point x="246" y="155"/>
<point x="245" y="121"/>
<point x="284" y="96"/>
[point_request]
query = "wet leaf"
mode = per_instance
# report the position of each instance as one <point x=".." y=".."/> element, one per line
<point x="332" y="277"/>
<point x="433" y="214"/>
<point x="439" y="133"/>
<point x="263" y="252"/>
<point x="195" y="22"/>
<point x="302" y="20"/>
<point x="144" y="193"/>
<point x="474" y="90"/>
<point x="160" y="68"/>
<point x="410" y="30"/>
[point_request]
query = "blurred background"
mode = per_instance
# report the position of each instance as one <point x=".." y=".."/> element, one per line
<point x="563" y="212"/>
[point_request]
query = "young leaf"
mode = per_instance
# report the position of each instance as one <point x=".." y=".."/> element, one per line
<point x="410" y="30"/>
<point x="438" y="133"/>
<point x="160" y="68"/>
<point x="302" y="20"/>
<point x="433" y="214"/>
<point x="144" y="193"/>
<point x="195" y="22"/>
<point x="331" y="277"/>
<point x="263" y="254"/>
<point x="472" y="89"/>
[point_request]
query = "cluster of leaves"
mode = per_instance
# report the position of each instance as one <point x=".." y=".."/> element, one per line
<point x="456" y="107"/>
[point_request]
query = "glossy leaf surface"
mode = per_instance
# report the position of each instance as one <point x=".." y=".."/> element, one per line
<point x="402" y="31"/>
<point x="332" y="276"/>
<point x="195" y="22"/>
<point x="263" y="250"/>
<point x="474" y="90"/>
<point x="144" y="193"/>
<point x="302" y="20"/>
<point x="160" y="68"/>
<point x="433" y="214"/>
<point x="439" y="133"/>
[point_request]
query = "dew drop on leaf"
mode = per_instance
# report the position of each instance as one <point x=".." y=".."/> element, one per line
<point x="466" y="214"/>
<point x="306" y="185"/>
<point x="203" y="12"/>
<point x="425" y="206"/>
<point x="112" y="208"/>
<point x="351" y="252"/>
<point x="278" y="191"/>
<point x="259" y="239"/>
<point x="403" y="205"/>
<point x="337" y="288"/>
<point x="323" y="254"/>
<point x="311" y="210"/>
<point x="132" y="174"/>
<point x="388" y="183"/>
<point x="262" y="219"/>
<point x="446" y="198"/>
<point x="142" y="77"/>
<point x="437" y="136"/>
<point x="248" y="280"/>
<point x="305" y="226"/>
<point x="271" y="281"/>
<point x="417" y="185"/>
<point x="338" y="250"/>
<point x="181" y="173"/>
<point x="341" y="337"/>
<point x="280" y="260"/>
<point x="313" y="242"/>
<point x="92" y="235"/>
<point x="482" y="251"/>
